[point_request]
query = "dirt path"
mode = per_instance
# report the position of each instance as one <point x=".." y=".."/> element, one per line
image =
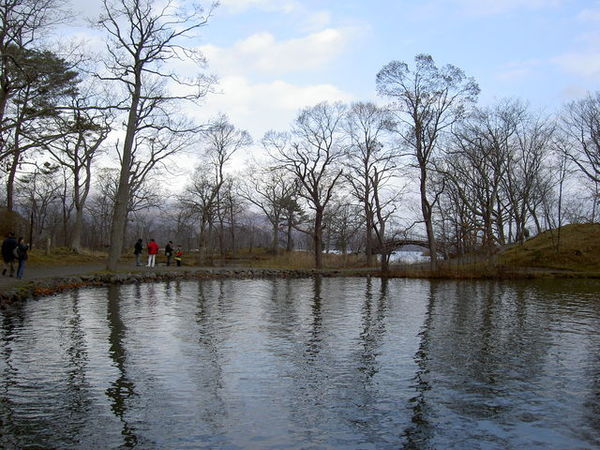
<point x="37" y="273"/>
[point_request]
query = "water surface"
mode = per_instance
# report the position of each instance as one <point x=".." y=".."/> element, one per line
<point x="314" y="363"/>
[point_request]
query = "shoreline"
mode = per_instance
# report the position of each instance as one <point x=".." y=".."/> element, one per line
<point x="48" y="286"/>
<point x="42" y="287"/>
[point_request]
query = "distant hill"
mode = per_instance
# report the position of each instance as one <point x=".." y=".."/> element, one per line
<point x="578" y="249"/>
<point x="413" y="248"/>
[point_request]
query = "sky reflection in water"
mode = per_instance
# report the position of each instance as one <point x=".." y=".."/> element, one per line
<point x="298" y="363"/>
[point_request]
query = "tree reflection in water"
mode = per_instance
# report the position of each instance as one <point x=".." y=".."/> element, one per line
<point x="420" y="432"/>
<point x="209" y="317"/>
<point x="122" y="389"/>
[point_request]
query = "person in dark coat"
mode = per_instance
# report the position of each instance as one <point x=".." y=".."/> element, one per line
<point x="22" y="248"/>
<point x="169" y="252"/>
<point x="138" y="248"/>
<point x="8" y="254"/>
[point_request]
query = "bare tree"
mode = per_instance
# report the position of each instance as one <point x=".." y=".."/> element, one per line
<point x="221" y="141"/>
<point x="371" y="165"/>
<point x="40" y="190"/>
<point x="477" y="164"/>
<point x="526" y="171"/>
<point x="230" y="207"/>
<point x="270" y="190"/>
<point x="344" y="222"/>
<point x="428" y="101"/>
<point x="314" y="159"/>
<point x="83" y="129"/>
<point x="144" y="195"/>
<point x="143" y="36"/>
<point x="581" y="127"/>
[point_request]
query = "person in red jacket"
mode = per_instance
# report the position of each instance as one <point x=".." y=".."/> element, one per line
<point x="152" y="252"/>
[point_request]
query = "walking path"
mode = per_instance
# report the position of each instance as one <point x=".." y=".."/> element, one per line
<point x="38" y="273"/>
<point x="49" y="279"/>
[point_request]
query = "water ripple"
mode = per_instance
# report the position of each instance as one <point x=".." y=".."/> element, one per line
<point x="316" y="363"/>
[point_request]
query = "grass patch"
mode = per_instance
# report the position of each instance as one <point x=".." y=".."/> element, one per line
<point x="306" y="260"/>
<point x="62" y="256"/>
<point x="577" y="250"/>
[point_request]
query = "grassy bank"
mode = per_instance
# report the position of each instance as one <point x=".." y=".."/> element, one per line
<point x="64" y="257"/>
<point x="572" y="248"/>
<point x="574" y="252"/>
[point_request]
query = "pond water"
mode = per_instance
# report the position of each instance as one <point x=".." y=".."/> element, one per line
<point x="311" y="363"/>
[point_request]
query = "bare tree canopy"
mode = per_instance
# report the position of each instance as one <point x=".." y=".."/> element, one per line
<point x="314" y="158"/>
<point x="428" y="100"/>
<point x="143" y="37"/>
<point x="371" y="164"/>
<point x="581" y="126"/>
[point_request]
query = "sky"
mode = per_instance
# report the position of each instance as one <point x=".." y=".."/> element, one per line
<point x="274" y="57"/>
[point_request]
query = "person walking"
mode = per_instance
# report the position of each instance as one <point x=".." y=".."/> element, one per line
<point x="152" y="252"/>
<point x="178" y="255"/>
<point x="22" y="248"/>
<point x="138" y="248"/>
<point x="8" y="254"/>
<point x="169" y="252"/>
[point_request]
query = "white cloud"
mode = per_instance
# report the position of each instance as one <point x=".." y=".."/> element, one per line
<point x="493" y="7"/>
<point x="573" y="91"/>
<point x="317" y="21"/>
<point x="237" y="6"/>
<point x="584" y="64"/>
<point x="263" y="106"/>
<point x="517" y="70"/>
<point x="261" y="52"/>
<point x="258" y="108"/>
<point x="590" y="15"/>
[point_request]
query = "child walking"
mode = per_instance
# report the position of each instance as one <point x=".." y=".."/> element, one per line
<point x="178" y="255"/>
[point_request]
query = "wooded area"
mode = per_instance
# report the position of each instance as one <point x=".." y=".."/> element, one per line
<point x="425" y="160"/>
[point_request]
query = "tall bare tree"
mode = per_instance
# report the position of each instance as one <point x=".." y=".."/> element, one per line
<point x="82" y="129"/>
<point x="581" y="126"/>
<point x="143" y="37"/>
<point x="371" y="165"/>
<point x="477" y="165"/>
<point x="270" y="190"/>
<point x="221" y="141"/>
<point x="428" y="100"/>
<point x="314" y="158"/>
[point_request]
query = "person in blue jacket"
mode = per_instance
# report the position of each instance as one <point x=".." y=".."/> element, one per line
<point x="22" y="248"/>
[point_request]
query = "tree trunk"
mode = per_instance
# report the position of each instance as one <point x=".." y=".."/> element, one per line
<point x="385" y="262"/>
<point x="202" y="241"/>
<point x="221" y="238"/>
<point x="12" y="173"/>
<point x="232" y="233"/>
<point x="275" y="243"/>
<point x="318" y="239"/>
<point x="123" y="192"/>
<point x="10" y="182"/>
<point x="427" y="218"/>
<point x="369" y="240"/>
<point x="290" y="242"/>
<point x="77" y="227"/>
